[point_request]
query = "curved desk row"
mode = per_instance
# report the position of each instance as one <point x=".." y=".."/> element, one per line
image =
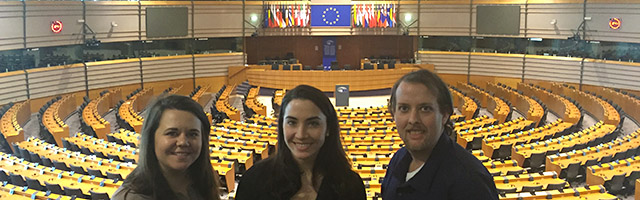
<point x="465" y="105"/>
<point x="92" y="114"/>
<point x="562" y="107"/>
<point x="253" y="103"/>
<point x="495" y="105"/>
<point x="600" y="109"/>
<point x="223" y="104"/>
<point x="130" y="108"/>
<point x="626" y="102"/>
<point x="533" y="109"/>
<point x="12" y="121"/>
<point x="327" y="80"/>
<point x="200" y="96"/>
<point x="54" y="115"/>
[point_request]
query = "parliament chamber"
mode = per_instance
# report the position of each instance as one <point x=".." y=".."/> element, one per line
<point x="546" y="92"/>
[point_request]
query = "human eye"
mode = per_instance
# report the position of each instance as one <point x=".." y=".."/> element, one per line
<point x="314" y="123"/>
<point x="194" y="134"/>
<point x="171" y="133"/>
<point x="426" y="108"/>
<point x="403" y="108"/>
<point x="291" y="122"/>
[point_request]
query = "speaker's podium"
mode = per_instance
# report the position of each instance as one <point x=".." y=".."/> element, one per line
<point x="342" y="95"/>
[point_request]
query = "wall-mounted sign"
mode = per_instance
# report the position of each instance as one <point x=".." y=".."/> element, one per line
<point x="56" y="26"/>
<point x="615" y="23"/>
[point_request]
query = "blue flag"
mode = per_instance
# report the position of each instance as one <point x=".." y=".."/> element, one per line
<point x="330" y="15"/>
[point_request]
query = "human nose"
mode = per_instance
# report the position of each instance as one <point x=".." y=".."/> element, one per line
<point x="301" y="132"/>
<point x="414" y="116"/>
<point x="182" y="140"/>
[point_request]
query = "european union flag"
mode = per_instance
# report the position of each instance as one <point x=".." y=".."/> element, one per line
<point x="330" y="15"/>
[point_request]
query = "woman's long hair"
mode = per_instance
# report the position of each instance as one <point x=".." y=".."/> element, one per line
<point x="147" y="178"/>
<point x="331" y="162"/>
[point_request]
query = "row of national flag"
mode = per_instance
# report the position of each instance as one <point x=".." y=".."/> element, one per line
<point x="373" y="16"/>
<point x="284" y="16"/>
<point x="299" y="15"/>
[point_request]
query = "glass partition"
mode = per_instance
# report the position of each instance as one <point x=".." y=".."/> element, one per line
<point x="445" y="43"/>
<point x="620" y="51"/>
<point x="217" y="45"/>
<point x="13" y="60"/>
<point x="153" y="48"/>
<point x="499" y="45"/>
<point x="54" y="56"/>
<point x="112" y="51"/>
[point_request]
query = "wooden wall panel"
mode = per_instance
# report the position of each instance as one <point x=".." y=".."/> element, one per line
<point x="568" y="17"/>
<point x="486" y="64"/>
<point x="452" y="63"/>
<point x="45" y="82"/>
<point x="109" y="74"/>
<point x="350" y="49"/>
<point x="11" y="14"/>
<point x="13" y="87"/>
<point x="302" y="47"/>
<point x="598" y="26"/>
<point x="217" y="20"/>
<point x="40" y="14"/>
<point x="100" y="15"/>
<point x="160" y="69"/>
<point x="252" y="10"/>
<point x="216" y="65"/>
<point x="551" y="68"/>
<point x="448" y="19"/>
<point x="612" y="74"/>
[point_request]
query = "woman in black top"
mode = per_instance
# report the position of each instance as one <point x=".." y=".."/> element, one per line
<point x="174" y="154"/>
<point x="310" y="162"/>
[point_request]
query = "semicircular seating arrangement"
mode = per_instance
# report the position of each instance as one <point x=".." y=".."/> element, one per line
<point x="529" y="154"/>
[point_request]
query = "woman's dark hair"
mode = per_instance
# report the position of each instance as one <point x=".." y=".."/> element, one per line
<point x="331" y="162"/>
<point x="436" y="86"/>
<point x="147" y="177"/>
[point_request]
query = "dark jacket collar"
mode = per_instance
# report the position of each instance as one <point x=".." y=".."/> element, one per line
<point x="424" y="177"/>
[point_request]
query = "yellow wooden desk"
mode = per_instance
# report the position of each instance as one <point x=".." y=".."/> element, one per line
<point x="53" y="116"/>
<point x="76" y="158"/>
<point x="537" y="179"/>
<point x="105" y="147"/>
<point x="93" y="112"/>
<point x="588" y="192"/>
<point x="561" y="161"/>
<point x="19" y="193"/>
<point x="12" y="121"/>
<point x="524" y="151"/>
<point x="490" y="145"/>
<point x="599" y="174"/>
<point x="52" y="175"/>
<point x="479" y="154"/>
<point x="637" y="192"/>
<point x="472" y="136"/>
<point x="501" y="168"/>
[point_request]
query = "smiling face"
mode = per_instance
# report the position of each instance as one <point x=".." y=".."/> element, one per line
<point x="305" y="129"/>
<point x="418" y="118"/>
<point x="177" y="140"/>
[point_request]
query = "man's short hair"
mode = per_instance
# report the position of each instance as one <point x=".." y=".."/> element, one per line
<point x="429" y="79"/>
